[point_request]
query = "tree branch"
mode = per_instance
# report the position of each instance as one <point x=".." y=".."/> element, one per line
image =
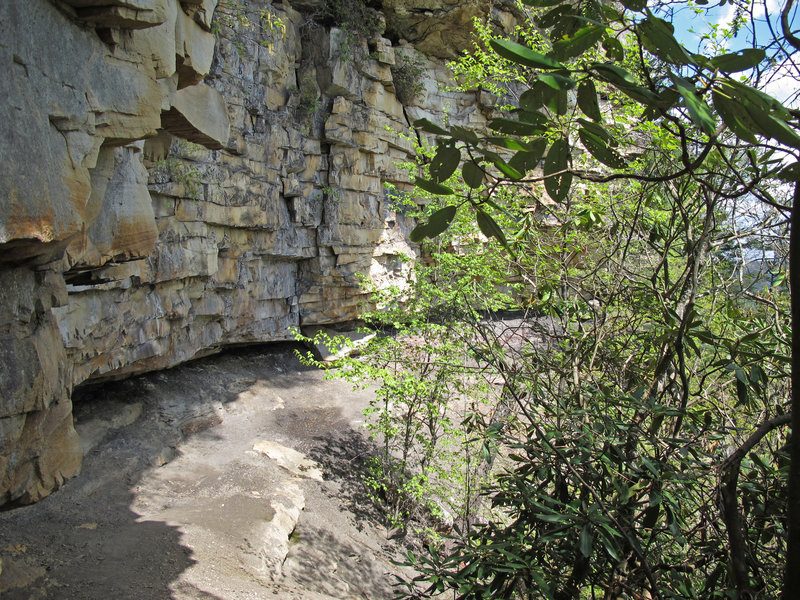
<point x="791" y="576"/>
<point x="787" y="32"/>
<point x="729" y="503"/>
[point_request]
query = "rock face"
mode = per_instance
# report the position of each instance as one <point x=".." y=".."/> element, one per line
<point x="168" y="191"/>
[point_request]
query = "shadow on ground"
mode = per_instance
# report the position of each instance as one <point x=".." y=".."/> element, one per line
<point x="344" y="456"/>
<point x="123" y="529"/>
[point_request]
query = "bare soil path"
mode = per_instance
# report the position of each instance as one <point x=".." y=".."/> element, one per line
<point x="232" y="477"/>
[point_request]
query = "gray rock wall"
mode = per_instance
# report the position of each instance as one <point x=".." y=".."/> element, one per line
<point x="172" y="187"/>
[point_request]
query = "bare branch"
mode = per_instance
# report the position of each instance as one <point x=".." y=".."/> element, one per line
<point x="787" y="32"/>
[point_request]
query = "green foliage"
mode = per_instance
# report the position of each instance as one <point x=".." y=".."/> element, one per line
<point x="645" y="454"/>
<point x="236" y="18"/>
<point x="633" y="373"/>
<point x="178" y="168"/>
<point x="422" y="460"/>
<point x="354" y="16"/>
<point x="309" y="101"/>
<point x="407" y="77"/>
<point x="429" y="398"/>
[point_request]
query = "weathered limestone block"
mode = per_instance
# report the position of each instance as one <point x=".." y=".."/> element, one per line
<point x="38" y="445"/>
<point x="291" y="186"/>
<point x="246" y="216"/>
<point x="384" y="52"/>
<point x="125" y="227"/>
<point x="198" y="114"/>
<point x="377" y="70"/>
<point x="193" y="257"/>
<point x="39" y="453"/>
<point x="159" y="42"/>
<point x="202" y="11"/>
<point x="440" y="28"/>
<point x="332" y="303"/>
<point x="194" y="48"/>
<point x="379" y="98"/>
<point x="125" y="99"/>
<point x="120" y="17"/>
<point x="344" y="78"/>
<point x="43" y="122"/>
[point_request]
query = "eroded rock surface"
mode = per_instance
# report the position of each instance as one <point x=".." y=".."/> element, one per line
<point x="172" y="187"/>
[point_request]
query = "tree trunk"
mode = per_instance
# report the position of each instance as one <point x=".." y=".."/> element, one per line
<point x="791" y="579"/>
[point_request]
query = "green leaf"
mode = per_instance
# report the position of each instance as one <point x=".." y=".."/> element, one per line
<point x="600" y="149"/>
<point x="464" y="135"/>
<point x="537" y="96"/>
<point x="513" y="127"/>
<point x="445" y="163"/>
<point x="614" y="74"/>
<point x="587" y="100"/>
<point x="626" y="83"/>
<point x="771" y="125"/>
<point x="440" y="221"/>
<point x="490" y="228"/>
<point x="739" y="61"/>
<point x="527" y="160"/>
<point x="504" y="167"/>
<point x="790" y="173"/>
<point x="523" y="55"/>
<point x="534" y="117"/>
<point x="636" y="5"/>
<point x="419" y="233"/>
<point x="610" y="547"/>
<point x="557" y="180"/>
<point x="556" y="19"/>
<point x="699" y="111"/>
<point x="614" y="49"/>
<point x="557" y="81"/>
<point x="531" y="99"/>
<point x="508" y="143"/>
<point x="655" y="470"/>
<point x="429" y="127"/>
<point x="524" y="161"/>
<point x="597" y="130"/>
<point x="537" y="147"/>
<point x="579" y="42"/>
<point x="559" y="103"/>
<point x="433" y="187"/>
<point x="657" y="36"/>
<point x="744" y="93"/>
<point x="486" y="451"/>
<point x="757" y="375"/>
<point x="472" y="174"/>
<point x="554" y="518"/>
<point x="741" y="386"/>
<point x="586" y="541"/>
<point x="734" y="115"/>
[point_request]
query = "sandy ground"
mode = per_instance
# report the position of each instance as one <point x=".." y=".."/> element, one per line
<point x="229" y="478"/>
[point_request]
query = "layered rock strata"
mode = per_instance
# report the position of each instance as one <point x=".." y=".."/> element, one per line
<point x="174" y="185"/>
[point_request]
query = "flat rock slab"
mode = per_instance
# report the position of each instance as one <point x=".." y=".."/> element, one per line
<point x="293" y="461"/>
<point x="228" y="478"/>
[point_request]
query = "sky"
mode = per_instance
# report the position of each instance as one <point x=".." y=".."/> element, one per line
<point x="691" y="27"/>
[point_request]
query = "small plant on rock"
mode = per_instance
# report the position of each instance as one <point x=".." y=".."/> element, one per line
<point x="407" y="77"/>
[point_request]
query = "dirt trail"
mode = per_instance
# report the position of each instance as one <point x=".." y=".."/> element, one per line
<point x="228" y="478"/>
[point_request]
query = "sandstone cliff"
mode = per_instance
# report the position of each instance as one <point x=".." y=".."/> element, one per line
<point x="174" y="184"/>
